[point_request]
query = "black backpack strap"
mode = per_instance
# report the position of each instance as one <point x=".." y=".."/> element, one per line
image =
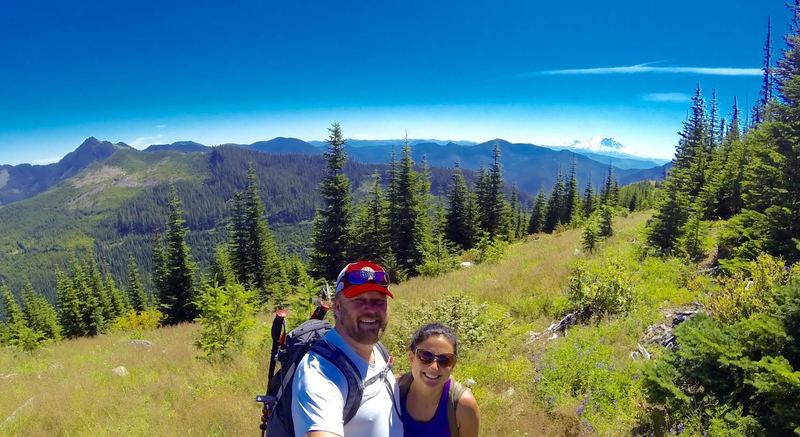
<point x="354" y="387"/>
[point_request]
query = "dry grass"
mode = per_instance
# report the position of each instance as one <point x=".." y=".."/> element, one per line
<point x="170" y="392"/>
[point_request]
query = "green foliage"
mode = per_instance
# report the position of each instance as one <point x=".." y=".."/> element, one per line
<point x="488" y="250"/>
<point x="590" y="236"/>
<point x="175" y="270"/>
<point x="330" y="240"/>
<point x="461" y="227"/>
<point x="598" y="291"/>
<point x="302" y="302"/>
<point x="40" y="315"/>
<point x="749" y="367"/>
<point x="581" y="370"/>
<point x="604" y="220"/>
<point x="371" y="225"/>
<point x="536" y="223"/>
<point x="409" y="225"/>
<point x="136" y="294"/>
<point x="474" y="323"/>
<point x="226" y="313"/>
<point x="638" y="196"/>
<point x="748" y="292"/>
<point x="138" y="322"/>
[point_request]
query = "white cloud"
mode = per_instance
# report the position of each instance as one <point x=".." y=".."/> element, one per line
<point x="161" y="126"/>
<point x="145" y="141"/>
<point x="667" y="97"/>
<point x="647" y="68"/>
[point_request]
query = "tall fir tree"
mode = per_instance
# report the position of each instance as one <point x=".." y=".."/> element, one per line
<point x="538" y="215"/>
<point x="136" y="293"/>
<point x="69" y="310"/>
<point x="254" y="256"/>
<point x="370" y="227"/>
<point x="610" y="193"/>
<point x="589" y="200"/>
<point x="761" y="109"/>
<point x="494" y="208"/>
<point x="572" y="202"/>
<point x="459" y="228"/>
<point x="91" y="308"/>
<point x="713" y="122"/>
<point x="692" y="155"/>
<point x="177" y="289"/>
<point x="330" y="239"/>
<point x="40" y="314"/>
<point x="555" y="205"/>
<point x="408" y="216"/>
<point x="13" y="311"/>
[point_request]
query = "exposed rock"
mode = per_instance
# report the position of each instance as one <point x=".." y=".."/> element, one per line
<point x="141" y="343"/>
<point x="7" y="376"/>
<point x="469" y="382"/>
<point x="661" y="333"/>
<point x="466" y="265"/>
<point x="13" y="415"/>
<point x="556" y="329"/>
<point x="120" y="371"/>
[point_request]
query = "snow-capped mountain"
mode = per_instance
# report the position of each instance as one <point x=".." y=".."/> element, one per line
<point x="606" y="149"/>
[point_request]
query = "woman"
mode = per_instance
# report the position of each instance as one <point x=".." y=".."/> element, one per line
<point x="431" y="403"/>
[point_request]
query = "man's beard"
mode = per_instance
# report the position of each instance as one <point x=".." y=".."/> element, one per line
<point x="361" y="334"/>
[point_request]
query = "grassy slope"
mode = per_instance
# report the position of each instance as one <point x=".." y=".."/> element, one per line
<point x="170" y="392"/>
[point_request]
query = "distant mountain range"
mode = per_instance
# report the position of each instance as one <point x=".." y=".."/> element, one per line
<point x="529" y="167"/>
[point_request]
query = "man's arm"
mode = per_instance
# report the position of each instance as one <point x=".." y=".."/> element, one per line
<point x="318" y="398"/>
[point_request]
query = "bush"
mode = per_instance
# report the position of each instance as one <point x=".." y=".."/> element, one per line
<point x="226" y="313"/>
<point x="740" y="296"/>
<point x="474" y="323"/>
<point x="748" y="368"/>
<point x="438" y="265"/>
<point x="138" y="323"/>
<point x="488" y="250"/>
<point x="604" y="290"/>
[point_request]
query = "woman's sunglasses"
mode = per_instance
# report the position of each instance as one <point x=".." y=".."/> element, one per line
<point x="358" y="277"/>
<point x="443" y="360"/>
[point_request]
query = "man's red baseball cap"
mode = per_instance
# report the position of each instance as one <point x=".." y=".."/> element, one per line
<point x="361" y="277"/>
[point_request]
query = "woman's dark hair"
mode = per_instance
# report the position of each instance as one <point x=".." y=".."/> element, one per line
<point x="431" y="329"/>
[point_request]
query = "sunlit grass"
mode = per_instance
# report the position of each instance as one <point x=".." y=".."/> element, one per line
<point x="169" y="391"/>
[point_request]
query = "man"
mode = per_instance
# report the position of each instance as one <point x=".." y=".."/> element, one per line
<point x="320" y="389"/>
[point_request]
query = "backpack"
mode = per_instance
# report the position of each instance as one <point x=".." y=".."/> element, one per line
<point x="456" y="390"/>
<point x="301" y="340"/>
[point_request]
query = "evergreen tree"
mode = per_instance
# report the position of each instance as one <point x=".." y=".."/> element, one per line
<point x="370" y="228"/>
<point x="459" y="228"/>
<point x="692" y="155"/>
<point x="221" y="271"/>
<point x="136" y="294"/>
<point x="332" y="223"/>
<point x="40" y="315"/>
<point x="589" y="200"/>
<point x="605" y="216"/>
<point x="91" y="308"/>
<point x="408" y="217"/>
<point x="555" y="205"/>
<point x="572" y="202"/>
<point x="713" y="122"/>
<point x="761" y="109"/>
<point x="494" y="206"/>
<point x="177" y="291"/>
<point x="69" y="310"/>
<point x="538" y="215"/>
<point x="13" y="311"/>
<point x="119" y="300"/>
<point x="95" y="283"/>
<point x="610" y="193"/>
<point x="664" y="228"/>
<point x="590" y="237"/>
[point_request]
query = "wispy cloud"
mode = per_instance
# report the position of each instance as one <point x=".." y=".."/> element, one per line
<point x="161" y="126"/>
<point x="145" y="141"/>
<point x="666" y="97"/>
<point x="649" y="68"/>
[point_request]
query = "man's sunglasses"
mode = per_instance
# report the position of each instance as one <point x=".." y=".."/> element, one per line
<point x="443" y="360"/>
<point x="358" y="277"/>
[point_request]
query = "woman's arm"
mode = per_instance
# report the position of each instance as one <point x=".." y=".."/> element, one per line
<point x="467" y="415"/>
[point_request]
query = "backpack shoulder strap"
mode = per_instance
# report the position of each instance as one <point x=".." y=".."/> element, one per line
<point x="404" y="384"/>
<point x="456" y="390"/>
<point x="354" y="387"/>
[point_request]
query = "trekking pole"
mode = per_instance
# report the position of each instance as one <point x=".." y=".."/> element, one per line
<point x="322" y="303"/>
<point x="278" y="335"/>
<point x="278" y="328"/>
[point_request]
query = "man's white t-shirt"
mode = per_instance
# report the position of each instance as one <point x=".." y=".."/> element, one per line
<point x="320" y="389"/>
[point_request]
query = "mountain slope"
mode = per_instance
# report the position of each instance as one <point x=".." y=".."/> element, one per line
<point x="25" y="180"/>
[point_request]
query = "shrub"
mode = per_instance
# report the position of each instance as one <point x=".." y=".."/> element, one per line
<point x="749" y="368"/>
<point x="606" y="289"/>
<point x="226" y="313"/>
<point x="740" y="296"/>
<point x="474" y="323"/>
<point x="590" y="236"/>
<point x="437" y="265"/>
<point x="138" y="322"/>
<point x="488" y="250"/>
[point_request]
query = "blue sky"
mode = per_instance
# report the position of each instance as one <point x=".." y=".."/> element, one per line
<point x="147" y="72"/>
